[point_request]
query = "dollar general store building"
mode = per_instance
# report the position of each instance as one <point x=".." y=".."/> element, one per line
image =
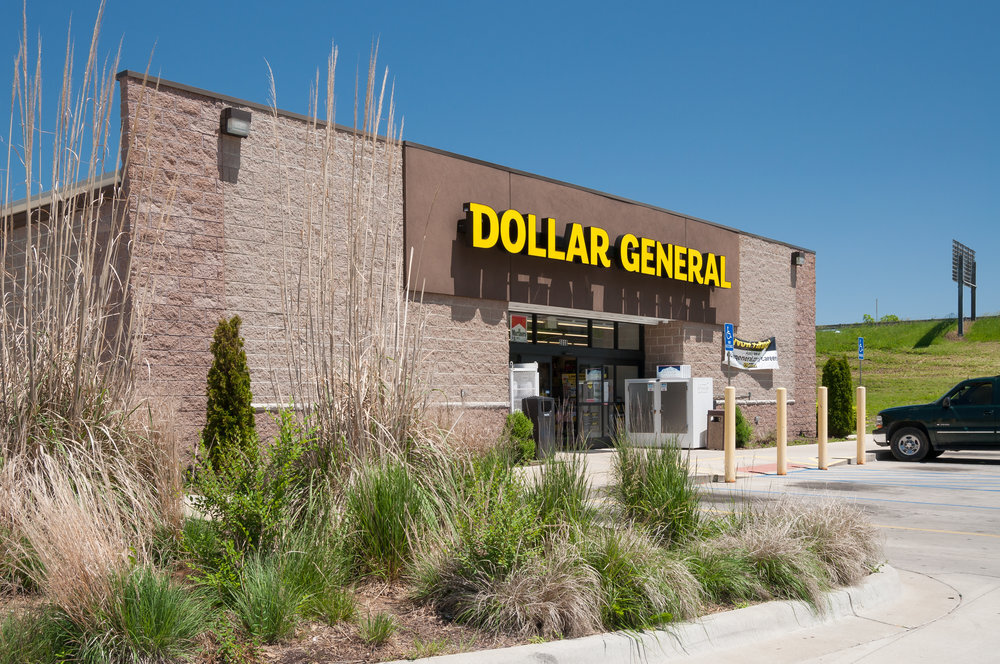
<point x="514" y="267"/>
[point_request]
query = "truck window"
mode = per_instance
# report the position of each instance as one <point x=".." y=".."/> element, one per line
<point x="973" y="393"/>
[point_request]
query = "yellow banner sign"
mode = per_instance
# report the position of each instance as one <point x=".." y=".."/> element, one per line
<point x="518" y="233"/>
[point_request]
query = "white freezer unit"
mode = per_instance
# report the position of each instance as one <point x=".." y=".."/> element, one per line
<point x="660" y="411"/>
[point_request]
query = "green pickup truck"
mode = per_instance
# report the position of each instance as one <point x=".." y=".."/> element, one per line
<point x="965" y="418"/>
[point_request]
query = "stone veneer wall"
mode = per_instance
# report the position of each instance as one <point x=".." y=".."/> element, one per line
<point x="776" y="299"/>
<point x="217" y="222"/>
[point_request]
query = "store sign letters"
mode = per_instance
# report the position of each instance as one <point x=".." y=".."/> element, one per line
<point x="518" y="233"/>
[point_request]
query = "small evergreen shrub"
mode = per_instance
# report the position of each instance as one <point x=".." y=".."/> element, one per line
<point x="519" y="432"/>
<point x="744" y="430"/>
<point x="229" y="424"/>
<point x="840" y="397"/>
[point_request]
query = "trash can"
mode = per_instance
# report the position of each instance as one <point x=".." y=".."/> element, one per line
<point x="716" y="429"/>
<point x="542" y="413"/>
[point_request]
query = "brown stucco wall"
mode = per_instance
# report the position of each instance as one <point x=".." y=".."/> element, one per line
<point x="439" y="184"/>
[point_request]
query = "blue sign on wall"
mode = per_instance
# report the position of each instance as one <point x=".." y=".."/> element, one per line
<point x="861" y="348"/>
<point x="728" y="333"/>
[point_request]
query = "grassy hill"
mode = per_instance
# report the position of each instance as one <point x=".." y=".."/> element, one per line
<point x="912" y="362"/>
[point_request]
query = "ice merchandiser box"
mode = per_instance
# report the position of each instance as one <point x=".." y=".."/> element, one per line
<point x="661" y="411"/>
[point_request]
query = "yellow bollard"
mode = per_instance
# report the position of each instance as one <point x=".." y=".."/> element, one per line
<point x="782" y="431"/>
<point x="730" y="436"/>
<point x="821" y="434"/>
<point x="861" y="425"/>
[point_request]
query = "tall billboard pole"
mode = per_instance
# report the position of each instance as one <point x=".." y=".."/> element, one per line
<point x="963" y="272"/>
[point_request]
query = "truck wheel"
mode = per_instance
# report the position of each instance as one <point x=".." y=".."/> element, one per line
<point x="910" y="444"/>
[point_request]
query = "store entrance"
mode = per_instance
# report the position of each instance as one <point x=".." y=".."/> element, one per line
<point x="589" y="393"/>
<point x="583" y="364"/>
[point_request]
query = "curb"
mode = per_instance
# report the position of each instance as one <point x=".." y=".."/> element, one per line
<point x="721" y="630"/>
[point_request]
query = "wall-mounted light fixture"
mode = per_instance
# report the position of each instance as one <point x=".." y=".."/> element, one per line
<point x="798" y="258"/>
<point x="235" y="122"/>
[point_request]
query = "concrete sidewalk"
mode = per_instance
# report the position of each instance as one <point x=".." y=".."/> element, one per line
<point x="709" y="465"/>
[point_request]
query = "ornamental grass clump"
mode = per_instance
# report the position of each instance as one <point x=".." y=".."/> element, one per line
<point x="386" y="507"/>
<point x="654" y="489"/>
<point x="640" y="585"/>
<point x="561" y="492"/>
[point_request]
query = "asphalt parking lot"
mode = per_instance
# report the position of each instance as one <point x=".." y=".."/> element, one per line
<point x="941" y="522"/>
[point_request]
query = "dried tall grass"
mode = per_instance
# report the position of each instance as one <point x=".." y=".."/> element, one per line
<point x="353" y="337"/>
<point x="85" y="519"/>
<point x="88" y="472"/>
<point x="67" y="336"/>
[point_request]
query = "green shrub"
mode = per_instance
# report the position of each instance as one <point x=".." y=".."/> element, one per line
<point x="519" y="431"/>
<point x="498" y="527"/>
<point x="385" y="507"/>
<point x="251" y="501"/>
<point x="376" y="630"/>
<point x="840" y="396"/>
<point x="653" y="487"/>
<point x="229" y="424"/>
<point x="744" y="430"/>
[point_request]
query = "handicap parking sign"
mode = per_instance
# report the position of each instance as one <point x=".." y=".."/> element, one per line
<point x="728" y="333"/>
<point x="861" y="348"/>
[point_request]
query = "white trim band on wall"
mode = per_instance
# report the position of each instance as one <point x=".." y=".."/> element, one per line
<point x="469" y="404"/>
<point x="522" y="307"/>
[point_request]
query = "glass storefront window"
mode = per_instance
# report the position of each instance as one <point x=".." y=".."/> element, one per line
<point x="562" y="331"/>
<point x="554" y="330"/>
<point x="603" y="334"/>
<point x="628" y="336"/>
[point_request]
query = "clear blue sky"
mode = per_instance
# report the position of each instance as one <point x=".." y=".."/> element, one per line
<point x="866" y="131"/>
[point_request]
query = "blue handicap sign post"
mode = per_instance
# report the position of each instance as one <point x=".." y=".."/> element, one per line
<point x="861" y="356"/>
<point x="729" y="337"/>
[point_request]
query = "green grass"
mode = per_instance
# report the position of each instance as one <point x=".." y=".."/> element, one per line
<point x="984" y="329"/>
<point x="385" y="506"/>
<point x="376" y="630"/>
<point x="911" y="363"/>
<point x="265" y="603"/>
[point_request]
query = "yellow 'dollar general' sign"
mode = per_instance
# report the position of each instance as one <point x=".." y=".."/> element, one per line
<point x="516" y="233"/>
